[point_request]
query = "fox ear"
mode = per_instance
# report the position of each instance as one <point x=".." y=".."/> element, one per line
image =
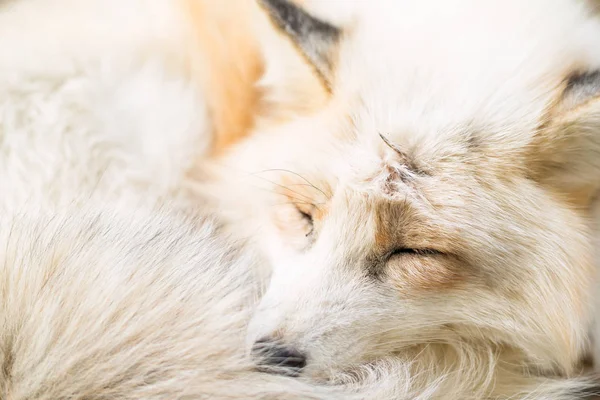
<point x="566" y="150"/>
<point x="315" y="39"/>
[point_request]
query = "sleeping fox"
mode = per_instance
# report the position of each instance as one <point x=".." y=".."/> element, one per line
<point x="437" y="206"/>
<point x="420" y="183"/>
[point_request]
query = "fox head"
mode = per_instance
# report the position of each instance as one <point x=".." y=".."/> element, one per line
<point x="441" y="194"/>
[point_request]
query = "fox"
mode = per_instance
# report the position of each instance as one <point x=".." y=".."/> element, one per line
<point x="433" y="200"/>
<point x="114" y="284"/>
<point x="418" y="186"/>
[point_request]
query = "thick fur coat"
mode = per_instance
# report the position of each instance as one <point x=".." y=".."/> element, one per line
<point x="405" y="213"/>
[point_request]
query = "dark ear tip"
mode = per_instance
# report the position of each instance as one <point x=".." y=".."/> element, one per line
<point x="280" y="11"/>
<point x="273" y="5"/>
<point x="263" y="3"/>
<point x="313" y="37"/>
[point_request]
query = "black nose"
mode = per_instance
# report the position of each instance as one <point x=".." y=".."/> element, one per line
<point x="275" y="357"/>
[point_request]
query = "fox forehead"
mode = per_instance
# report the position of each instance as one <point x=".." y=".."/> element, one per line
<point x="460" y="86"/>
<point x="423" y="69"/>
<point x="451" y="81"/>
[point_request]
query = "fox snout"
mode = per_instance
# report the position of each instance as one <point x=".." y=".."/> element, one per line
<point x="272" y="356"/>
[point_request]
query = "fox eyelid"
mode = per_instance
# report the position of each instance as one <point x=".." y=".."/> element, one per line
<point x="306" y="216"/>
<point x="418" y="252"/>
<point x="309" y="219"/>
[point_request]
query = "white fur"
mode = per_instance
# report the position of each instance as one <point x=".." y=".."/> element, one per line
<point x="95" y="102"/>
<point x="124" y="300"/>
<point x="146" y="306"/>
<point x="97" y="303"/>
<point x="97" y="108"/>
<point x="466" y="89"/>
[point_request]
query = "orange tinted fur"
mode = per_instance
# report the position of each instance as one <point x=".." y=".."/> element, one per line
<point x="425" y="275"/>
<point x="233" y="65"/>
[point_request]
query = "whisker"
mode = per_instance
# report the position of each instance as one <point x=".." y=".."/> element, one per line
<point x="298" y="175"/>
<point x="292" y="203"/>
<point x="293" y="200"/>
<point x="296" y="200"/>
<point x="282" y="186"/>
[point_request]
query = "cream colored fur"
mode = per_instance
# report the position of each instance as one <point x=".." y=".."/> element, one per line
<point x="105" y="294"/>
<point x="101" y="114"/>
<point x="99" y="304"/>
<point x="496" y="169"/>
<point x="97" y="102"/>
<point x="102" y="305"/>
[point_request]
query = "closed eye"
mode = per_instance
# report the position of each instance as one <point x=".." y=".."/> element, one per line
<point x="416" y="252"/>
<point x="308" y="219"/>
